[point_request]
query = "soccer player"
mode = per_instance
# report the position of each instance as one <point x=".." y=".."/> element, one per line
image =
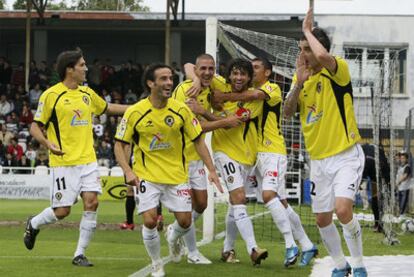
<point x="271" y="164"/>
<point x="65" y="110"/>
<point x="234" y="153"/>
<point x="204" y="70"/>
<point x="157" y="127"/>
<point x="322" y="90"/>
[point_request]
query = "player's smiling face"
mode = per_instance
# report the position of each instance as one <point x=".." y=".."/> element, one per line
<point x="239" y="80"/>
<point x="78" y="73"/>
<point x="310" y="59"/>
<point x="204" y="69"/>
<point x="260" y="74"/>
<point x="163" y="83"/>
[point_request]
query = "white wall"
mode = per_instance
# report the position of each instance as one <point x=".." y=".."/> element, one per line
<point x="377" y="30"/>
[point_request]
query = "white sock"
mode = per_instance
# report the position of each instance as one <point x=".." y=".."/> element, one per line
<point x="332" y="242"/>
<point x="152" y="243"/>
<point x="280" y="218"/>
<point x="299" y="233"/>
<point x="245" y="226"/>
<point x="87" y="228"/>
<point x="47" y="216"/>
<point x="190" y="240"/>
<point x="177" y="233"/>
<point x="353" y="238"/>
<point x="231" y="230"/>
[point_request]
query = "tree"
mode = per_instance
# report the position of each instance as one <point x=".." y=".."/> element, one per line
<point x="19" y="5"/>
<point x="111" y="5"/>
<point x="1" y="4"/>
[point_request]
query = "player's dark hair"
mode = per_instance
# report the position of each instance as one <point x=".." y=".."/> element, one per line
<point x="321" y="35"/>
<point x="67" y="59"/>
<point x="266" y="63"/>
<point x="204" y="56"/>
<point x="149" y="74"/>
<point x="242" y="65"/>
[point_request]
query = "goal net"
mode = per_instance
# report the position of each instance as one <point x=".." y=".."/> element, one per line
<point x="374" y="77"/>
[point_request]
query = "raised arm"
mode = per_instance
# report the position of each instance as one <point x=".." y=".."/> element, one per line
<point x="190" y="74"/>
<point x="321" y="54"/>
<point x="245" y="96"/>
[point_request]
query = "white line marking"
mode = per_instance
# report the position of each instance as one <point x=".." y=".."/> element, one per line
<point x="71" y="257"/>
<point x="145" y="271"/>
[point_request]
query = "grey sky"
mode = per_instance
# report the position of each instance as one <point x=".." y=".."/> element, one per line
<point x="394" y="7"/>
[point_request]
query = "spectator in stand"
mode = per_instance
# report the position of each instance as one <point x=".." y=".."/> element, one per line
<point x="31" y="154"/>
<point x="403" y="180"/>
<point x="15" y="149"/>
<point x="104" y="154"/>
<point x="10" y="161"/>
<point x="34" y="95"/>
<point x="106" y="96"/>
<point x="6" y="72"/>
<point x="98" y="128"/>
<point x="18" y="103"/>
<point x="2" y="153"/>
<point x="12" y="122"/>
<point x="24" y="162"/>
<point x="130" y="97"/>
<point x="5" y="135"/>
<point x="33" y="74"/>
<point x="18" y="76"/>
<point x="26" y="116"/>
<point x="5" y="106"/>
<point x="94" y="75"/>
<point x="42" y="156"/>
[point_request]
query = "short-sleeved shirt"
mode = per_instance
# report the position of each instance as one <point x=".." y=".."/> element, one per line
<point x="239" y="143"/>
<point x="203" y="98"/>
<point x="270" y="137"/>
<point x="159" y="135"/>
<point x="67" y="115"/>
<point x="404" y="170"/>
<point x="327" y="112"/>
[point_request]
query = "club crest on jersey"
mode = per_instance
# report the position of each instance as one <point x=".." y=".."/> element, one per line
<point x="319" y="87"/>
<point x="77" y="119"/>
<point x="169" y="120"/>
<point x="58" y="195"/>
<point x="194" y="122"/>
<point x="269" y="88"/>
<point x="230" y="179"/>
<point x="85" y="99"/>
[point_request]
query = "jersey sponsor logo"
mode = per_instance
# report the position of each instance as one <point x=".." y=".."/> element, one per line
<point x="85" y="99"/>
<point x="157" y="144"/>
<point x="39" y="110"/>
<point x="76" y="119"/>
<point x="66" y="102"/>
<point x="313" y="116"/>
<point x="169" y="120"/>
<point x="120" y="132"/>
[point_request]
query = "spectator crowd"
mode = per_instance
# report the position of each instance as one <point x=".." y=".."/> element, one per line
<point x="115" y="83"/>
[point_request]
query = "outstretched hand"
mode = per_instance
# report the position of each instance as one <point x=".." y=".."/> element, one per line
<point x="195" y="89"/>
<point x="54" y="149"/>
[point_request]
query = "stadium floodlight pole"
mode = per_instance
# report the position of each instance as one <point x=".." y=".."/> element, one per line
<point x="167" y="58"/>
<point x="208" y="215"/>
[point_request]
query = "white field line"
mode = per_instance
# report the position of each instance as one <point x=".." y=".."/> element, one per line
<point x="145" y="271"/>
<point x="71" y="257"/>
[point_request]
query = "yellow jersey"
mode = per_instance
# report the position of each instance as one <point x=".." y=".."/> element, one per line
<point x="159" y="139"/>
<point x="67" y="116"/>
<point x="203" y="98"/>
<point x="270" y="137"/>
<point x="327" y="112"/>
<point x="239" y="143"/>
